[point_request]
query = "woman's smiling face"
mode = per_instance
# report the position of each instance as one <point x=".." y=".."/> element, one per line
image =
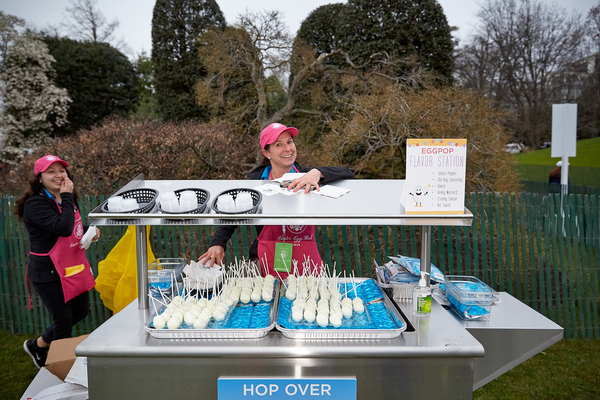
<point x="283" y="152"/>
<point x="52" y="178"/>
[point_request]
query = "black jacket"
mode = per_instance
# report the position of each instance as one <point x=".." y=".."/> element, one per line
<point x="45" y="223"/>
<point x="224" y="233"/>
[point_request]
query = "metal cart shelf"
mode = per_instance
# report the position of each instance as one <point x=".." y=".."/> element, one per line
<point x="436" y="360"/>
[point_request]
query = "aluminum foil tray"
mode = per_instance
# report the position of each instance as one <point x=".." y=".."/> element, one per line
<point x="218" y="330"/>
<point x="381" y="319"/>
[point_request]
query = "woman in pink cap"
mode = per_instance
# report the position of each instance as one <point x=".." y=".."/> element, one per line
<point x="57" y="265"/>
<point x="274" y="242"/>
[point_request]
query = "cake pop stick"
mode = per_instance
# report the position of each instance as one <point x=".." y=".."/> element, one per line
<point x="336" y="299"/>
<point x="353" y="288"/>
<point x="265" y="267"/>
<point x="278" y="275"/>
<point x="153" y="303"/>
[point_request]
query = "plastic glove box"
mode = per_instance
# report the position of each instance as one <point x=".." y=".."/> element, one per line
<point x="164" y="276"/>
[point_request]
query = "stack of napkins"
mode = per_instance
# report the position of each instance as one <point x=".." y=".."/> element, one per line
<point x="86" y="240"/>
<point x="200" y="277"/>
<point x="332" y="191"/>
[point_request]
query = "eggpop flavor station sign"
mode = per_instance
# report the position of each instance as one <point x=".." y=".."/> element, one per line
<point x="435" y="176"/>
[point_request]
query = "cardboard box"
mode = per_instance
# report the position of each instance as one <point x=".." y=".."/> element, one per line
<point x="44" y="379"/>
<point x="63" y="391"/>
<point x="64" y="377"/>
<point x="47" y="386"/>
<point x="78" y="373"/>
<point x="61" y="356"/>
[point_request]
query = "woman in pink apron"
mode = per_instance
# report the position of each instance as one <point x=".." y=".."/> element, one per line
<point x="276" y="246"/>
<point x="57" y="265"/>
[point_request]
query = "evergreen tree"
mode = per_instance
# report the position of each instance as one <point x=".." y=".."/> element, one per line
<point x="176" y="26"/>
<point x="400" y="28"/>
<point x="320" y="29"/>
<point x="146" y="105"/>
<point x="99" y="78"/>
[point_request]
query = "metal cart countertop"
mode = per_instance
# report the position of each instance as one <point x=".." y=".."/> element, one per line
<point x="369" y="202"/>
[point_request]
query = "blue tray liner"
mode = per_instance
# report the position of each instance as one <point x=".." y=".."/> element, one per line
<point x="375" y="317"/>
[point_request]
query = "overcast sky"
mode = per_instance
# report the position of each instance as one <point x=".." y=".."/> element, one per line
<point x="135" y="16"/>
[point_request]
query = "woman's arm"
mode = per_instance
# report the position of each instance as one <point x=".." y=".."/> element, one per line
<point x="218" y="244"/>
<point x="332" y="174"/>
<point x="216" y="252"/>
<point x="319" y="176"/>
<point x="43" y="214"/>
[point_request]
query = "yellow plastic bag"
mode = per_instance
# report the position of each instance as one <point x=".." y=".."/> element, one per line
<point x="117" y="273"/>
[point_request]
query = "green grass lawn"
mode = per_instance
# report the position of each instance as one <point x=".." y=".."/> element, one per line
<point x="16" y="367"/>
<point x="570" y="369"/>
<point x="535" y="166"/>
<point x="587" y="155"/>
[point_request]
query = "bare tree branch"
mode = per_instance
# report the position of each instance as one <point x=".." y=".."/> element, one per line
<point x="86" y="22"/>
<point x="519" y="47"/>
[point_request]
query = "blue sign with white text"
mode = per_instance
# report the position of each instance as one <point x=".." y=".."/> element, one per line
<point x="285" y="389"/>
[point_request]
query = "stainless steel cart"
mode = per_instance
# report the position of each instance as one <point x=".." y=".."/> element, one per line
<point x="442" y="358"/>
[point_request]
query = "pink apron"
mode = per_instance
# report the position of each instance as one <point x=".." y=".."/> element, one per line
<point x="300" y="237"/>
<point x="69" y="260"/>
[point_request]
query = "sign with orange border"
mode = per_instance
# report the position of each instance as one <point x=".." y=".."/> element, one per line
<point x="435" y="176"/>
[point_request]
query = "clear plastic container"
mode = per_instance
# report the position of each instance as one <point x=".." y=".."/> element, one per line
<point x="401" y="291"/>
<point x="164" y="276"/>
<point x="470" y="312"/>
<point x="469" y="297"/>
<point x="469" y="289"/>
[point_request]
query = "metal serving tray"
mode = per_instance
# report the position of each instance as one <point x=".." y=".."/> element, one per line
<point x="331" y="332"/>
<point x="185" y="332"/>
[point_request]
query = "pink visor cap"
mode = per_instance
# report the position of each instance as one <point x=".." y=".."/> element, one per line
<point x="43" y="163"/>
<point x="270" y="134"/>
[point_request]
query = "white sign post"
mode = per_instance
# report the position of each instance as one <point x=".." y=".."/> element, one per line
<point x="564" y="138"/>
<point x="435" y="176"/>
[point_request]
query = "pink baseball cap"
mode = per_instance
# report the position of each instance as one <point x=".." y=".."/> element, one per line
<point x="270" y="134"/>
<point x="43" y="163"/>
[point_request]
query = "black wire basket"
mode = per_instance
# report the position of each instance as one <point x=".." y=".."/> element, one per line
<point x="256" y="200"/>
<point x="201" y="195"/>
<point x="145" y="197"/>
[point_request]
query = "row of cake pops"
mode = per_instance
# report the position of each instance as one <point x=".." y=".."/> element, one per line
<point x="242" y="283"/>
<point x="315" y="297"/>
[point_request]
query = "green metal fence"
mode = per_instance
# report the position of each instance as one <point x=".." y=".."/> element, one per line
<point x="543" y="250"/>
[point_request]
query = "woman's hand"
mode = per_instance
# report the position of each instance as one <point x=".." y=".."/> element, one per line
<point x="97" y="235"/>
<point x="214" y="255"/>
<point x="312" y="177"/>
<point x="66" y="186"/>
